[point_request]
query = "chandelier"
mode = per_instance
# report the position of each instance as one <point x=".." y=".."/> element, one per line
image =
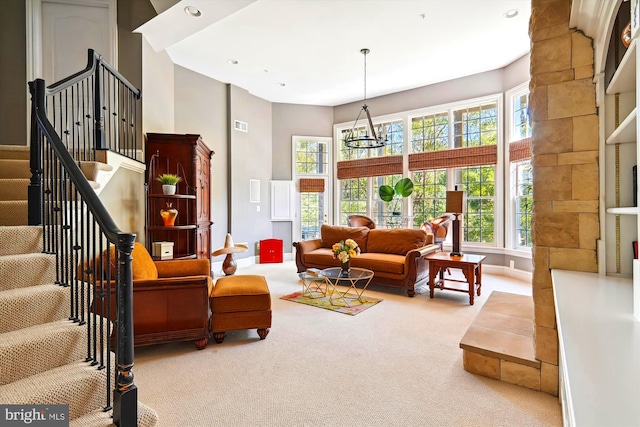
<point x="370" y="139"/>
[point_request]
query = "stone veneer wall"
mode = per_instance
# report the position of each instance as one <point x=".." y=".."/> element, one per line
<point x="563" y="113"/>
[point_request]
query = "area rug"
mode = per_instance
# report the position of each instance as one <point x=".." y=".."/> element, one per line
<point x="323" y="302"/>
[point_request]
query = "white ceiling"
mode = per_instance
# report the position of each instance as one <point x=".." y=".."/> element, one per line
<point x="313" y="46"/>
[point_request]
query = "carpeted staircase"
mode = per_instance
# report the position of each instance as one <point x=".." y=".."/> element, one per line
<point x="42" y="353"/>
<point x="14" y="182"/>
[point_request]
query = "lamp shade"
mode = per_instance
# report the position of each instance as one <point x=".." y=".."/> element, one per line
<point x="455" y="201"/>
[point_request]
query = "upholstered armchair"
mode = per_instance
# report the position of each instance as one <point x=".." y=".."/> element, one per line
<point x="360" y="221"/>
<point x="438" y="227"/>
<point x="170" y="299"/>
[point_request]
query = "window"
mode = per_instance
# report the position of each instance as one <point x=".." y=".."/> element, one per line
<point x="441" y="148"/>
<point x="523" y="202"/>
<point x="353" y="198"/>
<point x="312" y="157"/>
<point x="476" y="126"/>
<point x="478" y="183"/>
<point x="311" y="166"/>
<point x="520" y="171"/>
<point x="430" y="133"/>
<point x="394" y="132"/>
<point x="362" y="171"/>
<point x="429" y="195"/>
<point x="387" y="214"/>
<point x="521" y="126"/>
<point x="311" y="215"/>
<point x="456" y="149"/>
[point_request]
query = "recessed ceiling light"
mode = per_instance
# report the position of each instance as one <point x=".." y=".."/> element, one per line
<point x="192" y="11"/>
<point x="232" y="61"/>
<point x="281" y="84"/>
<point x="511" y="13"/>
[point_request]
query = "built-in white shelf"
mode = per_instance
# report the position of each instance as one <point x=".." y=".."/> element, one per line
<point x="624" y="80"/>
<point x="626" y="132"/>
<point x="623" y="211"/>
<point x="599" y="349"/>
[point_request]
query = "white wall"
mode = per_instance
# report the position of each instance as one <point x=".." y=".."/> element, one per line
<point x="250" y="157"/>
<point x="201" y="108"/>
<point x="157" y="91"/>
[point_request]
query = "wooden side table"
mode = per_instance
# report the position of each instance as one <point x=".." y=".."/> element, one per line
<point x="471" y="266"/>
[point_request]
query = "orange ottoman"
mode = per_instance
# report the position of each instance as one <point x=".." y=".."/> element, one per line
<point x="240" y="302"/>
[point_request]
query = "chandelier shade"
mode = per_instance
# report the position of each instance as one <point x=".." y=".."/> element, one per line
<point x="370" y="138"/>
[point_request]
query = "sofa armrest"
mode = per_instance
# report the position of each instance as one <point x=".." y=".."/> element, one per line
<point x="196" y="289"/>
<point x="303" y="248"/>
<point x="417" y="266"/>
<point x="183" y="267"/>
<point x="430" y="248"/>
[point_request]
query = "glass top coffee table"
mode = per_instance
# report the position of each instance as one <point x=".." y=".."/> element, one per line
<point x="312" y="281"/>
<point x="335" y="277"/>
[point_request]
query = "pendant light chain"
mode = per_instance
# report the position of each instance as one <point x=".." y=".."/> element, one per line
<point x="365" y="51"/>
<point x="353" y="138"/>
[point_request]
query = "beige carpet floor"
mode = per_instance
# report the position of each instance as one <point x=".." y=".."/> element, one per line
<point x="396" y="364"/>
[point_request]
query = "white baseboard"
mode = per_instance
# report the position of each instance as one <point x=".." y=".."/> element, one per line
<point x="246" y="262"/>
<point x="507" y="271"/>
<point x="493" y="269"/>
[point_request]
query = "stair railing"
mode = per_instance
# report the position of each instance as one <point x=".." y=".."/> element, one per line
<point x="93" y="110"/>
<point x="93" y="257"/>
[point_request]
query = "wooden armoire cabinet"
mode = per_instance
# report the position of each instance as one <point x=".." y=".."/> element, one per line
<point x="188" y="157"/>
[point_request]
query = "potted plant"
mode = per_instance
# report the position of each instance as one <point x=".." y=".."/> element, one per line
<point x="403" y="188"/>
<point x="169" y="182"/>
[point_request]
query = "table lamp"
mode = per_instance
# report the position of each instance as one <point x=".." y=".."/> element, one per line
<point x="455" y="204"/>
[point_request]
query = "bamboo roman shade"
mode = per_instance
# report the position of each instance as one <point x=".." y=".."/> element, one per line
<point x="311" y="185"/>
<point x="375" y="166"/>
<point x="520" y="150"/>
<point x="456" y="157"/>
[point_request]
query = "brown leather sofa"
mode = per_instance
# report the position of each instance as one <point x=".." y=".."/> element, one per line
<point x="396" y="256"/>
<point x="170" y="299"/>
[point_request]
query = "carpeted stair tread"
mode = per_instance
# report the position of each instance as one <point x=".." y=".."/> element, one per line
<point x="147" y="417"/>
<point x="35" y="305"/>
<point x="21" y="152"/>
<point x="14" y="189"/>
<point x="14" y="168"/>
<point x="77" y="384"/>
<point x="14" y="212"/>
<point x="29" y="351"/>
<point x="16" y="240"/>
<point x="23" y="270"/>
<point x="92" y="169"/>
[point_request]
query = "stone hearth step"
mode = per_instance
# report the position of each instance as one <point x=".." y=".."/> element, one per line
<point x="499" y="343"/>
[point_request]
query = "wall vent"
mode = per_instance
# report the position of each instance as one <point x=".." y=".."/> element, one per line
<point x="241" y="126"/>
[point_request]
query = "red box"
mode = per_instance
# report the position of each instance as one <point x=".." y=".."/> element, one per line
<point x="270" y="251"/>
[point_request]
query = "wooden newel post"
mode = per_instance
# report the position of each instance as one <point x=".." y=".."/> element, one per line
<point x="34" y="194"/>
<point x="98" y="103"/>
<point x="125" y="395"/>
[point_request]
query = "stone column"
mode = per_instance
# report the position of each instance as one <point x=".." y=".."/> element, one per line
<point x="565" y="222"/>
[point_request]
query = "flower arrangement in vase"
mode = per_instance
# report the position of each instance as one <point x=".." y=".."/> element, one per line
<point x="169" y="182"/>
<point x="344" y="250"/>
